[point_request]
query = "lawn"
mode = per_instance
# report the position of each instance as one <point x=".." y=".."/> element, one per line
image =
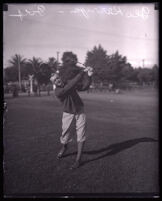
<point x="120" y="155"/>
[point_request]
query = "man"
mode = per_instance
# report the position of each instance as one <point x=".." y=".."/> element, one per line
<point x="73" y="109"/>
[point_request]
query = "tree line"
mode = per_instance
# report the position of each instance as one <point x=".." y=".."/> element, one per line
<point x="112" y="68"/>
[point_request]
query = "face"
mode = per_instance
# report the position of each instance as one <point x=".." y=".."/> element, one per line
<point x="70" y="61"/>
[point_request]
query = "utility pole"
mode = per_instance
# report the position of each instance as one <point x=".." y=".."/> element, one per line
<point x="58" y="60"/>
<point x="58" y="57"/>
<point x="19" y="71"/>
<point x="143" y="62"/>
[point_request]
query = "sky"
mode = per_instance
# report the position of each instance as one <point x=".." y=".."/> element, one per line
<point x="48" y="30"/>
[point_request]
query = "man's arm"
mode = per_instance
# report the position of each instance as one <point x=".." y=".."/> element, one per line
<point x="86" y="82"/>
<point x="61" y="92"/>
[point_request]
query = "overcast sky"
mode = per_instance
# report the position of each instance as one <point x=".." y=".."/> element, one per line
<point x="42" y="30"/>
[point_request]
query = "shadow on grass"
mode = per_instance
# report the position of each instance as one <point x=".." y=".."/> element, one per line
<point x="113" y="148"/>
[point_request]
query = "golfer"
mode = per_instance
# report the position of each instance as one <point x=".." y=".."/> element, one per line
<point x="73" y="110"/>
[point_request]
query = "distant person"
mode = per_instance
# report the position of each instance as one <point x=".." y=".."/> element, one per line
<point x="28" y="89"/>
<point x="14" y="91"/>
<point x="73" y="109"/>
<point x="110" y="87"/>
<point x="90" y="89"/>
<point x="117" y="91"/>
<point x="48" y="87"/>
<point x="35" y="89"/>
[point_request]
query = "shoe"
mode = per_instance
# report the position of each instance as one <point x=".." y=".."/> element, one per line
<point x="75" y="165"/>
<point x="61" y="153"/>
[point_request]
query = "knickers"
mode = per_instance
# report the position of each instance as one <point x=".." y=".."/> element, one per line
<point x="67" y="119"/>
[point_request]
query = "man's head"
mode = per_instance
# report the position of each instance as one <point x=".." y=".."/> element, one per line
<point x="69" y="59"/>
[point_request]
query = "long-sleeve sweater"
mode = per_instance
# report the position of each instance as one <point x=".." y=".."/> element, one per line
<point x="68" y="95"/>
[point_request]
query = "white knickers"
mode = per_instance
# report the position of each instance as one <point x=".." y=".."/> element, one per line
<point x="67" y="120"/>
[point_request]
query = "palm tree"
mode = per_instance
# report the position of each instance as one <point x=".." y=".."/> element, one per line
<point x="36" y="64"/>
<point x="17" y="62"/>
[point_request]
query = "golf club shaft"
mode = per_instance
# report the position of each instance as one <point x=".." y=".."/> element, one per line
<point x="84" y="66"/>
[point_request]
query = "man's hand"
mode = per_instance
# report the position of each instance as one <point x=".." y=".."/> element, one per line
<point x="89" y="70"/>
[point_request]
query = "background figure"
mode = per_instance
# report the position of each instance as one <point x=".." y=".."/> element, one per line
<point x="35" y="89"/>
<point x="14" y="91"/>
<point x="110" y="87"/>
<point x="48" y="87"/>
<point x="28" y="89"/>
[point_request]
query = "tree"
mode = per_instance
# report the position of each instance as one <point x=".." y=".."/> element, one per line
<point x="117" y="65"/>
<point x="17" y="61"/>
<point x="98" y="60"/>
<point x="155" y="74"/>
<point x="11" y="74"/>
<point x="145" y="76"/>
<point x="27" y="70"/>
<point x="45" y="74"/>
<point x="36" y="63"/>
<point x="108" y="68"/>
<point x="134" y="75"/>
<point x="53" y="64"/>
<point x="127" y="72"/>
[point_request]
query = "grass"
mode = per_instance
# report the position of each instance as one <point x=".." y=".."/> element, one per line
<point x="120" y="155"/>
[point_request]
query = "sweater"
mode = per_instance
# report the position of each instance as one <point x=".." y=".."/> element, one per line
<point x="68" y="95"/>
